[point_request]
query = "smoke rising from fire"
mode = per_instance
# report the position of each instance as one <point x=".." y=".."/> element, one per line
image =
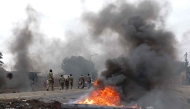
<point x="23" y="37"/>
<point x="149" y="51"/>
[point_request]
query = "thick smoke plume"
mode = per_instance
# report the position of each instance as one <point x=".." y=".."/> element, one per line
<point x="149" y="51"/>
<point x="23" y="36"/>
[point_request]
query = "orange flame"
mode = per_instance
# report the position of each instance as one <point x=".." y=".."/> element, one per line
<point x="96" y="83"/>
<point x="104" y="97"/>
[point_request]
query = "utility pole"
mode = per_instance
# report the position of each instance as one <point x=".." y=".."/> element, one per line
<point x="186" y="61"/>
<point x="186" y="67"/>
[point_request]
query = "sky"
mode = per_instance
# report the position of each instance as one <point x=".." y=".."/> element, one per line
<point x="57" y="17"/>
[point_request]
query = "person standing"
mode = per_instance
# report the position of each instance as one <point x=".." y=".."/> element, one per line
<point x="50" y="80"/>
<point x="67" y="82"/>
<point x="88" y="79"/>
<point x="62" y="82"/>
<point x="71" y="81"/>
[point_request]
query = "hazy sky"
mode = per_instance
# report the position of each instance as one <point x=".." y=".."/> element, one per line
<point x="60" y="16"/>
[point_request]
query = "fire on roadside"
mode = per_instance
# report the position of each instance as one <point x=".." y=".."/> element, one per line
<point x="107" y="96"/>
<point x="96" y="83"/>
<point x="104" y="97"/>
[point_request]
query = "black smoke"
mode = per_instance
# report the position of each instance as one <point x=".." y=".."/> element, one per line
<point x="23" y="37"/>
<point x="149" y="49"/>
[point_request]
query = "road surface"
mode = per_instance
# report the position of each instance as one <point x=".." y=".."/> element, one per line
<point x="65" y="96"/>
<point x="62" y="96"/>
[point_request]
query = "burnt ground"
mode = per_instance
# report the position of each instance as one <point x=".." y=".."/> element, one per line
<point x="39" y="99"/>
<point x="53" y="102"/>
<point x="28" y="104"/>
<point x="37" y="104"/>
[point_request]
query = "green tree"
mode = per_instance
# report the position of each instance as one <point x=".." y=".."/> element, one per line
<point x="1" y="56"/>
<point x="77" y="66"/>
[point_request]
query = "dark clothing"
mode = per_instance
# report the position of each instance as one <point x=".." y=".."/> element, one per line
<point x="67" y="83"/>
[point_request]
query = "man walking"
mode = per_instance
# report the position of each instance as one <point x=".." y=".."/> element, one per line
<point x="67" y="83"/>
<point x="50" y="80"/>
<point x="62" y="82"/>
<point x="71" y="81"/>
<point x="88" y="79"/>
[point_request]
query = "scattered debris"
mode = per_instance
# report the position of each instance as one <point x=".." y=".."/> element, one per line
<point x="28" y="104"/>
<point x="37" y="104"/>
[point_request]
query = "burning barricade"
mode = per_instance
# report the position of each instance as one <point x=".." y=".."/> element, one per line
<point x="104" y="96"/>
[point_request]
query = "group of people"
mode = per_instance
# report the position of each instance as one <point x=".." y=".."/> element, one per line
<point x="81" y="82"/>
<point x="67" y="82"/>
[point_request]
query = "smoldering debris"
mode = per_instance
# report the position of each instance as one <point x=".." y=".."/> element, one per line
<point x="150" y="52"/>
<point x="36" y="104"/>
<point x="28" y="104"/>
